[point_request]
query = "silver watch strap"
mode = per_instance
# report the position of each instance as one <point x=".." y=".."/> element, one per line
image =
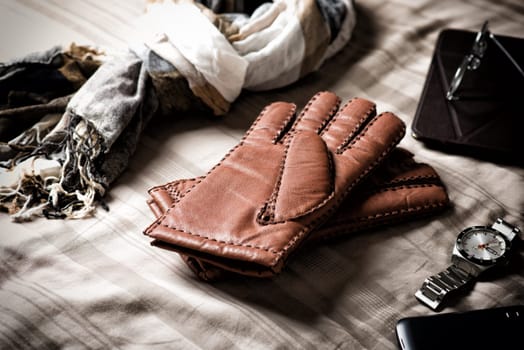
<point x="436" y="287"/>
<point x="506" y="229"/>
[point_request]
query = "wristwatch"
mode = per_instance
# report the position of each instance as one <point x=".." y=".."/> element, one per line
<point x="477" y="249"/>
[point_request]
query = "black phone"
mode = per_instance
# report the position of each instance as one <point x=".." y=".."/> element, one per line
<point x="495" y="328"/>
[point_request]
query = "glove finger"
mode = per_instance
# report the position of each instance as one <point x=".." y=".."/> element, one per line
<point x="318" y="111"/>
<point x="272" y="123"/>
<point x="378" y="136"/>
<point x="348" y="122"/>
<point x="305" y="182"/>
<point x="357" y="156"/>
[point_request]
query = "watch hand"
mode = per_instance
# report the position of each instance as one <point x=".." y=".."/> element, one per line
<point x="487" y="244"/>
<point x="492" y="251"/>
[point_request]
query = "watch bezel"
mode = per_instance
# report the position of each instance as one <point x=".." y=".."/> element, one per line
<point x="481" y="261"/>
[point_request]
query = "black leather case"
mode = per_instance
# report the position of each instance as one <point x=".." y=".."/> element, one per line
<point x="487" y="121"/>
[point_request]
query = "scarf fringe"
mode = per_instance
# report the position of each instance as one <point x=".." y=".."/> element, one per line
<point x="71" y="192"/>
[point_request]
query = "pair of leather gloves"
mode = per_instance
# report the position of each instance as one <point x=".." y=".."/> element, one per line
<point x="292" y="179"/>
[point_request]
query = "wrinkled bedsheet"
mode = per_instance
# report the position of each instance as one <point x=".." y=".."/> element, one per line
<point x="97" y="283"/>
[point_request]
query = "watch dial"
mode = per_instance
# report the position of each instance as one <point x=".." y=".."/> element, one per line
<point x="482" y="244"/>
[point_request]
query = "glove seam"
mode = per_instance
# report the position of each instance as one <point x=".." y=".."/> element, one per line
<point x="344" y="147"/>
<point x="327" y="117"/>
<point x="330" y="211"/>
<point x="173" y="185"/>
<point x="159" y="221"/>
<point x="394" y="215"/>
<point x="278" y="254"/>
<point x="177" y="183"/>
<point x="399" y="211"/>
<point x="270" y="205"/>
<point x="240" y="144"/>
<point x="284" y="126"/>
<point x="354" y="135"/>
<point x="332" y="120"/>
<point x="340" y="150"/>
<point x="413" y="178"/>
<point x="405" y="186"/>
<point x="293" y="241"/>
<point x="269" y="250"/>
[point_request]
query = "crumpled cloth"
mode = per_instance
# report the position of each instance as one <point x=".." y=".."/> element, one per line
<point x="220" y="54"/>
<point x="62" y="161"/>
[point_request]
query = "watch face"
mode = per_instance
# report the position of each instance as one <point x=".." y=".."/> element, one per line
<point x="482" y="245"/>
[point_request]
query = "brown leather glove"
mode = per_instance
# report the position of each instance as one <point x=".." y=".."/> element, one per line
<point x="398" y="190"/>
<point x="280" y="182"/>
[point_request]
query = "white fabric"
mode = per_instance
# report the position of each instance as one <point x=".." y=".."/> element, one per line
<point x="263" y="20"/>
<point x="165" y="49"/>
<point x="200" y="42"/>
<point x="274" y="54"/>
<point x="268" y="55"/>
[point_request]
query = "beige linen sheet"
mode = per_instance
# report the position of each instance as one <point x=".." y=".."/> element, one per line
<point x="97" y="284"/>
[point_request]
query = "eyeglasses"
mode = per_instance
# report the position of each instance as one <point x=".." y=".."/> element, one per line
<point x="472" y="60"/>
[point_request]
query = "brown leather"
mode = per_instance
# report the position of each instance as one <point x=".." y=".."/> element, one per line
<point x="280" y="182"/>
<point x="398" y="190"/>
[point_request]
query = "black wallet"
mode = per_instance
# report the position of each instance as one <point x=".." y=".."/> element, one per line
<point x="464" y="330"/>
<point x="487" y="120"/>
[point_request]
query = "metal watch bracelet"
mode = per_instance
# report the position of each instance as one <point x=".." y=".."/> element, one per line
<point x="506" y="229"/>
<point x="436" y="287"/>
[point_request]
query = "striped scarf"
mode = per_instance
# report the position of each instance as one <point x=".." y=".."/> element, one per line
<point x="188" y="57"/>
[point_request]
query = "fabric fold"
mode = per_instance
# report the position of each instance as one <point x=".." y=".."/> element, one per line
<point x="86" y="112"/>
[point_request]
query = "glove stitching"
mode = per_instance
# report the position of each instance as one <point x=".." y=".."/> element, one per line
<point x="159" y="221"/>
<point x="270" y="219"/>
<point x="293" y="241"/>
<point x="431" y="203"/>
<point x="357" y="126"/>
<point x="306" y="108"/>
<point x="336" y="116"/>
<point x="402" y="187"/>
<point x="240" y="144"/>
<point x="283" y="128"/>
<point x="371" y="219"/>
<point x="173" y="186"/>
<point x="326" y="119"/>
<point x="330" y="211"/>
<point x="400" y="211"/>
<point x="353" y="132"/>
<point x="267" y="212"/>
<point x="341" y="150"/>
<point x="270" y="250"/>
<point x="414" y="180"/>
